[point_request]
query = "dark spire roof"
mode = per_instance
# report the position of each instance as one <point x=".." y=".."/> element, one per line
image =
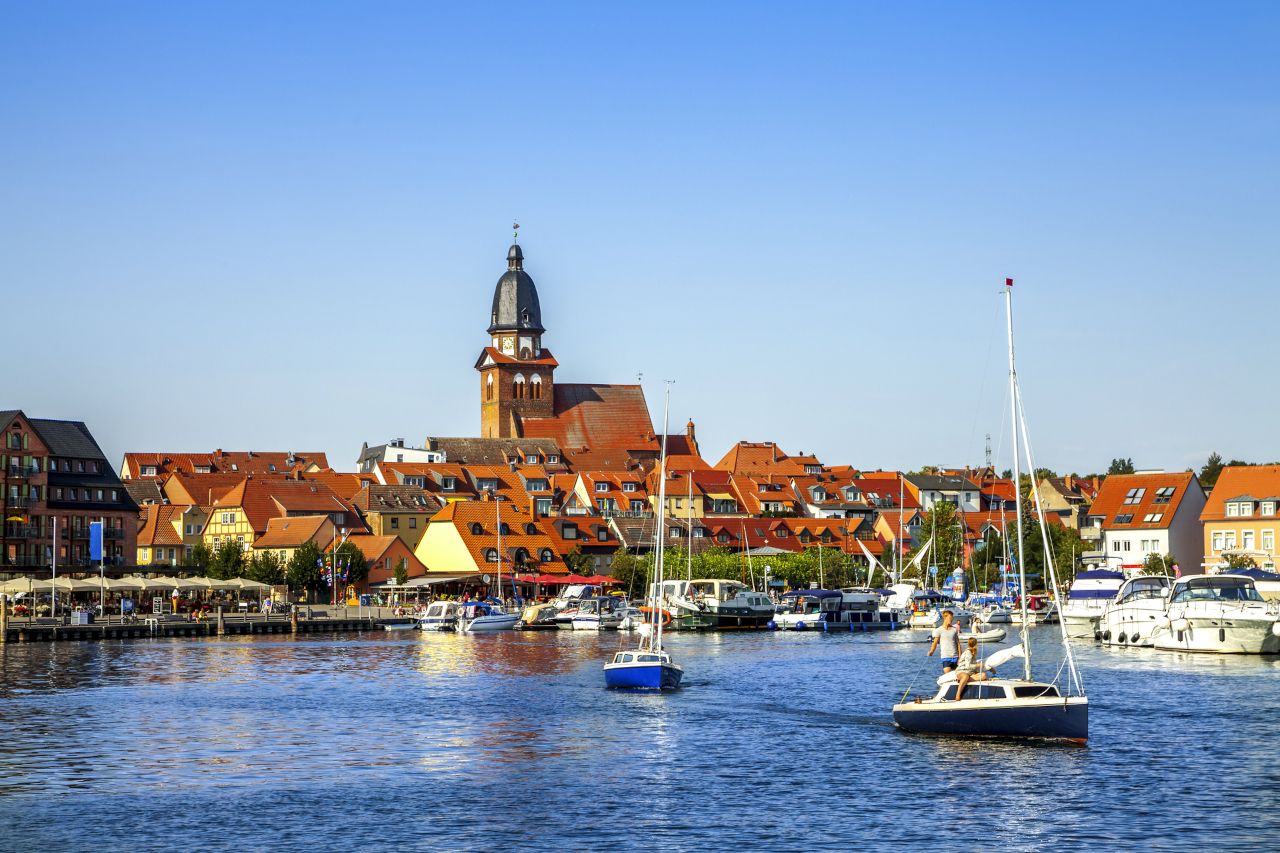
<point x="515" y="299"/>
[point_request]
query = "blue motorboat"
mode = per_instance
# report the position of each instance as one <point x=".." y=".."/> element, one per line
<point x="643" y="669"/>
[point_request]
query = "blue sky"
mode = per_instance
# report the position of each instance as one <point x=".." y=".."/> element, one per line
<point x="278" y="227"/>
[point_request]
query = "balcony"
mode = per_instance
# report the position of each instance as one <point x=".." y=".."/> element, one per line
<point x="80" y="532"/>
<point x="113" y="533"/>
<point x="16" y="502"/>
<point x="626" y="513"/>
<point x="1090" y="532"/>
<point x="32" y="561"/>
<point x="22" y="531"/>
<point x="22" y="472"/>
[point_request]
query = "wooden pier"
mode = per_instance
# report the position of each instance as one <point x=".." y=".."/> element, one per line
<point x="18" y="632"/>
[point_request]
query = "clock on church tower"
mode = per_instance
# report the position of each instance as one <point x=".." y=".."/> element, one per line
<point x="516" y="373"/>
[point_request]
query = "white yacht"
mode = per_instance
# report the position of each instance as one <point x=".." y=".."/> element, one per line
<point x="597" y="613"/>
<point x="480" y="616"/>
<point x="1129" y="618"/>
<point x="1218" y="613"/>
<point x="1089" y="594"/>
<point x="927" y="607"/>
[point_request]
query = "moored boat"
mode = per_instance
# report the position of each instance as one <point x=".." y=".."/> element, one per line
<point x="596" y="614"/>
<point x="1223" y="614"/>
<point x="478" y="616"/>
<point x="440" y="616"/>
<point x="1130" y="618"/>
<point x="1088" y="597"/>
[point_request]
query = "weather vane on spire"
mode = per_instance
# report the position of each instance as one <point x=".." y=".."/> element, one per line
<point x="515" y="232"/>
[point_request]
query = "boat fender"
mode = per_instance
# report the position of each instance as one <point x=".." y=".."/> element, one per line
<point x="1162" y="622"/>
<point x="1133" y="638"/>
<point x="799" y="626"/>
<point x="1181" y="625"/>
<point x="772" y="626"/>
<point x="1106" y="635"/>
<point x="1275" y="629"/>
<point x="1097" y="635"/>
<point x="1120" y="639"/>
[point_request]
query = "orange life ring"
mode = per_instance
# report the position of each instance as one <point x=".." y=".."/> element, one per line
<point x="666" y="615"/>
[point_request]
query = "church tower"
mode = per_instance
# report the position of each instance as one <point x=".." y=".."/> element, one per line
<point x="515" y="371"/>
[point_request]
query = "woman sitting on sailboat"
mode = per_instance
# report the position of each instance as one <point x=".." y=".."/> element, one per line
<point x="969" y="668"/>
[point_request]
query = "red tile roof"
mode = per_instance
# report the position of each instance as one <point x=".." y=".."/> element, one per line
<point x="263" y="500"/>
<point x="1110" y="502"/>
<point x="597" y="417"/>
<point x="747" y="457"/>
<point x="464" y="514"/>
<point x="1260" y="482"/>
<point x="157" y="524"/>
<point x="221" y="462"/>
<point x="292" y="532"/>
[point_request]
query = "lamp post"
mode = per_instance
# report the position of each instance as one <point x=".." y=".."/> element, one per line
<point x="333" y="577"/>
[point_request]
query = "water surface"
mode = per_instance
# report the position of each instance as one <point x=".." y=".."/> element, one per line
<point x="440" y="742"/>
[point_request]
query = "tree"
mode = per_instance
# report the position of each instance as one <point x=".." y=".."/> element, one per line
<point x="228" y="560"/>
<point x="303" y="570"/>
<point x="402" y="572"/>
<point x="986" y="561"/>
<point x="1239" y="561"/>
<point x="357" y="568"/>
<point x="201" y="557"/>
<point x="629" y="571"/>
<point x="942" y="524"/>
<point x="1213" y="467"/>
<point x="1157" y="564"/>
<point x="266" y="567"/>
<point x="1120" y="466"/>
<point x="578" y="562"/>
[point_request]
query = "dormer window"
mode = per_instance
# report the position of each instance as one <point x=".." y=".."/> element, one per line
<point x="524" y="316"/>
<point x="148" y="470"/>
<point x="204" y="469"/>
<point x="476" y="529"/>
<point x="449" y="483"/>
<point x="271" y="467"/>
<point x="1233" y="510"/>
<point x="1246" y="508"/>
<point x="537" y="485"/>
<point x="531" y="460"/>
<point x="602" y="487"/>
<point x="569" y="531"/>
<point x="1268" y="508"/>
<point x="628" y="487"/>
<point x="487" y="484"/>
<point x="553" y="459"/>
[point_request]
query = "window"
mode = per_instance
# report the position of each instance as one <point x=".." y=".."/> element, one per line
<point x="144" y="554"/>
<point x="1268" y="540"/>
<point x="536" y="388"/>
<point x="1246" y="540"/>
<point x="1163" y="495"/>
<point x="505" y="530"/>
<point x="476" y="529"/>
<point x="543" y="505"/>
<point x="637" y="506"/>
<point x="1268" y="508"/>
<point x="235" y="467"/>
<point x="531" y="460"/>
<point x="147" y="470"/>
<point x="1126" y="544"/>
<point x="781" y="533"/>
<point x="674" y="533"/>
<point x="413" y="523"/>
<point x="99" y="494"/>
<point x="190" y="529"/>
<point x="722" y="537"/>
<point x="487" y="483"/>
<point x="66" y="465"/>
<point x="1246" y="508"/>
<point x="546" y="555"/>
<point x="537" y="485"/>
<point x="699" y="532"/>
<point x="204" y="469"/>
<point x="399" y="457"/>
<point x="228" y="518"/>
<point x="199" y="528"/>
<point x="602" y="534"/>
<point x="488" y="393"/>
<point x="678" y="502"/>
<point x="449" y="484"/>
<point x="395" y="524"/>
<point x="1217" y="540"/>
<point x="602" y="487"/>
<point x="1124" y="519"/>
<point x="1229" y="539"/>
<point x="1115" y="544"/>
<point x="1134" y="496"/>
<point x="517" y="387"/>
<point x="1152" y="518"/>
<point x="491" y="555"/>
<point x="94" y="467"/>
<point x="553" y="459"/>
<point x="1145" y="545"/>
<point x="1233" y="510"/>
<point x="569" y="531"/>
<point x="628" y="487"/>
<point x="115" y="496"/>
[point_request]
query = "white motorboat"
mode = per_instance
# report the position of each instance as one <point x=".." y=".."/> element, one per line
<point x="866" y="610"/>
<point x="440" y="616"/>
<point x="596" y="614"/>
<point x="1224" y="614"/>
<point x="566" y="603"/>
<point x="927" y="608"/>
<point x="630" y="617"/>
<point x="1088" y="597"/>
<point x="1130" y="617"/>
<point x="478" y="616"/>
<point x="808" y="609"/>
<point x="983" y="634"/>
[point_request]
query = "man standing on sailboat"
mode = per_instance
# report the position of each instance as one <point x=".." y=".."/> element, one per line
<point x="948" y="636"/>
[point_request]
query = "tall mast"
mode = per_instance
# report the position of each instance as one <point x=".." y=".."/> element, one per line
<point x="689" y="475"/>
<point x="656" y="642"/>
<point x="1017" y="485"/>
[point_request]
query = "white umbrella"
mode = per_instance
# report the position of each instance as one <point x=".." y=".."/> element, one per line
<point x="210" y="583"/>
<point x="179" y="583"/>
<point x="245" y="583"/>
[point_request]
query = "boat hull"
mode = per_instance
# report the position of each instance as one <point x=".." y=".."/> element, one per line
<point x="1050" y="719"/>
<point x="644" y="676"/>
<point x="489" y="623"/>
<point x="1222" y="636"/>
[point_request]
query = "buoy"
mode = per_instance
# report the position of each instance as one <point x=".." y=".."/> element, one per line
<point x="773" y="626"/>
<point x="1097" y="635"/>
<point x="799" y="626"/>
<point x="1275" y="629"/>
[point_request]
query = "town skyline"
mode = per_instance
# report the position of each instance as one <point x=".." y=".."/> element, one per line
<point x="812" y="247"/>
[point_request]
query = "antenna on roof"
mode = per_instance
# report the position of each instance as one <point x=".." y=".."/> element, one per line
<point x="988" y="450"/>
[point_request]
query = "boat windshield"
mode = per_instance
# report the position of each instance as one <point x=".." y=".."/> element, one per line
<point x="1142" y="588"/>
<point x="1217" y="589"/>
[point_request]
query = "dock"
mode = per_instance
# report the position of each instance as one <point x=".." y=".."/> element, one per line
<point x="307" y="622"/>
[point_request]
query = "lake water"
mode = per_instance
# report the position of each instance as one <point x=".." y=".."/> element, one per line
<point x="508" y="741"/>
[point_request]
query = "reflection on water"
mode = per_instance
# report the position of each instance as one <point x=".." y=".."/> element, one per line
<point x="440" y="741"/>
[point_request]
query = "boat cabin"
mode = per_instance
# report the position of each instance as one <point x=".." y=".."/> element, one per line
<point x="819" y="602"/>
<point x="1143" y="587"/>
<point x="1215" y="588"/>
<point x="641" y="657"/>
<point x="600" y="604"/>
<point x="997" y="689"/>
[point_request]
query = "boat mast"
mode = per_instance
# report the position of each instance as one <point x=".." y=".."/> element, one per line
<point x="689" y="475"/>
<point x="655" y="643"/>
<point x="497" y="505"/>
<point x="1017" y="484"/>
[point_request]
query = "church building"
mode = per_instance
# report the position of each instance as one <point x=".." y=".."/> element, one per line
<point x="519" y="397"/>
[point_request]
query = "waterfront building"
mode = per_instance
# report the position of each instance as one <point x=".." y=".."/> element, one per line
<point x="286" y="534"/>
<point x="830" y="495"/>
<point x="381" y="555"/>
<point x="160" y="540"/>
<point x="55" y="470"/>
<point x="610" y="494"/>
<point x="243" y="513"/>
<point x="1243" y="513"/>
<point x="158" y="466"/>
<point x="1150" y="512"/>
<point x="714" y="493"/>
<point x="758" y="494"/>
<point x="462" y="540"/>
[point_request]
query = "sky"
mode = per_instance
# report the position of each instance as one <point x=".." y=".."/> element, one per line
<point x="261" y="226"/>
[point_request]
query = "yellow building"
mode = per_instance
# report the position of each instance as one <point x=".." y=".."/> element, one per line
<point x="463" y="539"/>
<point x="1242" y="514"/>
<point x="286" y="535"/>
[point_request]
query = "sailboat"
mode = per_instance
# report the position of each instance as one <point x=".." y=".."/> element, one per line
<point x="998" y="706"/>
<point x="650" y="666"/>
<point x="478" y="616"/>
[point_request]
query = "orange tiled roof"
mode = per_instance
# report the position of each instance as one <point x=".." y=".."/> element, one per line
<point x="747" y="457"/>
<point x="292" y="532"/>
<point x="1111" y="498"/>
<point x="223" y="462"/>
<point x="263" y="500"/>
<point x="464" y="514"/>
<point x="1261" y="482"/>
<point x="345" y="485"/>
<point x="157" y="524"/>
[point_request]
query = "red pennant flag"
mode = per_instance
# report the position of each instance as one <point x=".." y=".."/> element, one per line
<point x="1008" y="282"/>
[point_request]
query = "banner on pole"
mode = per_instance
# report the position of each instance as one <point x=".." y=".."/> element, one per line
<point x="95" y="540"/>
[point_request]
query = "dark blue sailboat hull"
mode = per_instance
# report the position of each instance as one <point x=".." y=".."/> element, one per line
<point x="1055" y="719"/>
<point x="648" y="676"/>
